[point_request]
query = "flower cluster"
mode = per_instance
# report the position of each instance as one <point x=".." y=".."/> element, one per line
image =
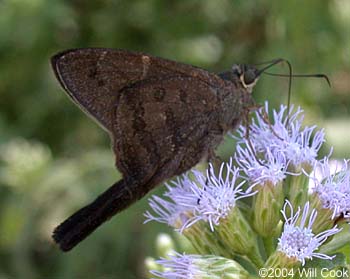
<point x="257" y="210"/>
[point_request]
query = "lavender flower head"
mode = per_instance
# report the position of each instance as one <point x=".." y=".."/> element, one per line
<point x="178" y="207"/>
<point x="208" y="197"/>
<point x="284" y="134"/>
<point x="297" y="239"/>
<point x="333" y="187"/>
<point x="272" y="168"/>
<point x="218" y="194"/>
<point x="179" y="266"/>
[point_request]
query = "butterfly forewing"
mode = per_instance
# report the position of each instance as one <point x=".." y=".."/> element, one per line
<point x="94" y="77"/>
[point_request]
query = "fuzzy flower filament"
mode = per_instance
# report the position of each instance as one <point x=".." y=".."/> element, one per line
<point x="331" y="193"/>
<point x="298" y="242"/>
<point x="212" y="214"/>
<point x="200" y="267"/>
<point x="285" y="134"/>
<point x="266" y="173"/>
<point x="218" y="207"/>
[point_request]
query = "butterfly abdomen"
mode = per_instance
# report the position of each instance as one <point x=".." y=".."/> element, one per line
<point x="82" y="223"/>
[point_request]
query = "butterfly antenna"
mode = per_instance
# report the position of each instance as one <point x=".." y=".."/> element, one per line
<point x="290" y="75"/>
<point x="303" y="75"/>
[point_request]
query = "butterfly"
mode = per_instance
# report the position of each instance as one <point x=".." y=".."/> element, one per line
<point x="162" y="116"/>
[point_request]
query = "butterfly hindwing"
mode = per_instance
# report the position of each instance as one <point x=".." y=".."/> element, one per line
<point x="165" y="126"/>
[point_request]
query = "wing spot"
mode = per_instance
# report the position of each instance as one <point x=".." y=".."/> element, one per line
<point x="159" y="94"/>
<point x="92" y="73"/>
<point x="183" y="96"/>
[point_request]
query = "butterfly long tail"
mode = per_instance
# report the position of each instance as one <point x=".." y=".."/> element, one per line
<point x="83" y="222"/>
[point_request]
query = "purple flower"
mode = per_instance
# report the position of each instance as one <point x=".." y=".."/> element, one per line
<point x="178" y="207"/>
<point x="179" y="266"/>
<point x="297" y="239"/>
<point x="269" y="168"/>
<point x="208" y="197"/>
<point x="284" y="134"/>
<point x="333" y="187"/>
<point x="218" y="193"/>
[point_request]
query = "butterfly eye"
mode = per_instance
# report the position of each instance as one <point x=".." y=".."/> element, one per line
<point x="249" y="77"/>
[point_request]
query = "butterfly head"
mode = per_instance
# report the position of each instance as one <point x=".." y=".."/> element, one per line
<point x="247" y="75"/>
<point x="244" y="75"/>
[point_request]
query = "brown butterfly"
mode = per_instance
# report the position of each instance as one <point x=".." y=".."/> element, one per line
<point x="162" y="116"/>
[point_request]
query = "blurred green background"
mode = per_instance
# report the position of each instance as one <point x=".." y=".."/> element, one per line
<point x="54" y="159"/>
